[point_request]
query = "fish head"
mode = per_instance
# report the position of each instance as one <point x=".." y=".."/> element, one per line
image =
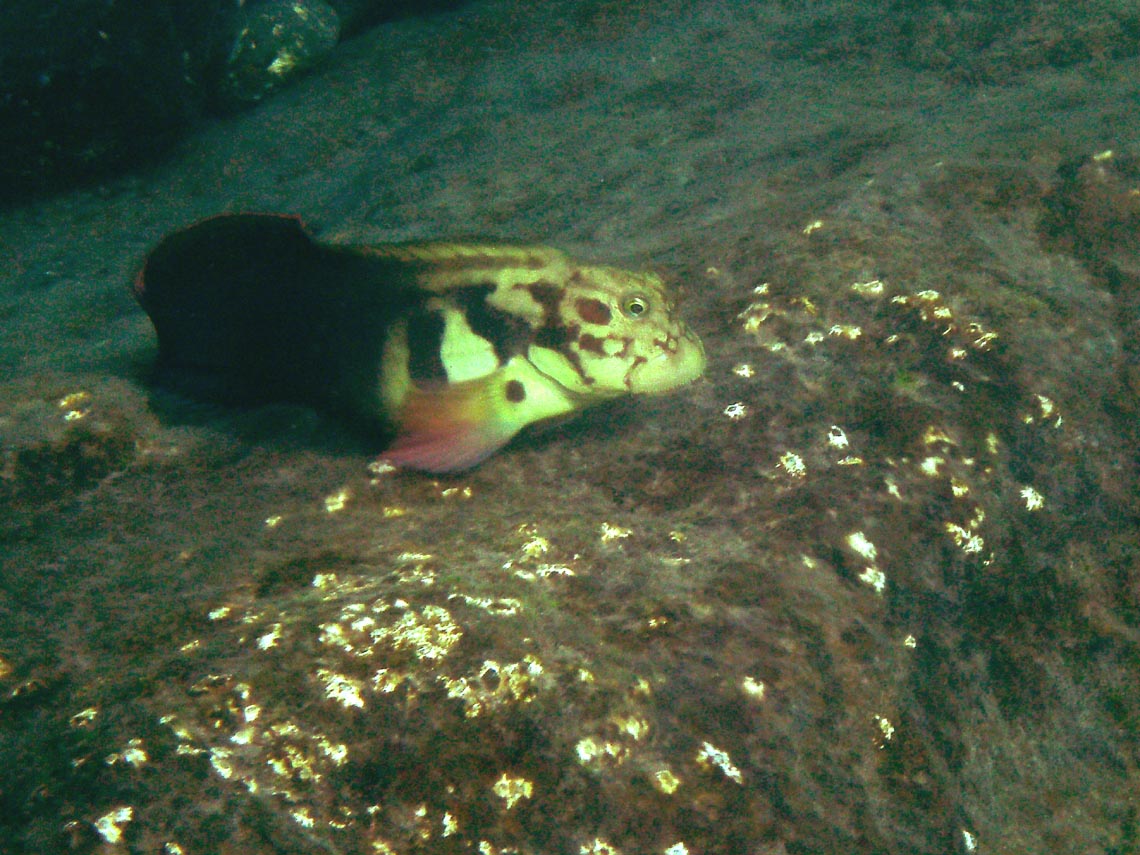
<point x="612" y="332"/>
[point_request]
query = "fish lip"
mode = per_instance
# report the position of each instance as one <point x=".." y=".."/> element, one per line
<point x="679" y="378"/>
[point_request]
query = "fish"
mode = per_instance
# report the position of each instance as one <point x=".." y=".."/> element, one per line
<point x="445" y="350"/>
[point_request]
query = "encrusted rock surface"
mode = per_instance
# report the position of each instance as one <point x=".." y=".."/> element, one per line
<point x="870" y="586"/>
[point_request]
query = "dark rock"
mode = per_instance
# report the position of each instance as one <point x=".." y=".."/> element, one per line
<point x="88" y="87"/>
<point x="91" y="85"/>
<point x="274" y="41"/>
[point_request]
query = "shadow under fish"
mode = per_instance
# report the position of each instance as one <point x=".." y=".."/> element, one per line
<point x="443" y="350"/>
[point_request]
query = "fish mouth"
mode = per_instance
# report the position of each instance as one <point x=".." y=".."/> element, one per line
<point x="668" y="369"/>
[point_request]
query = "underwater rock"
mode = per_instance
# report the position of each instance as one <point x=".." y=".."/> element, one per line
<point x="817" y="614"/>
<point x="871" y="586"/>
<point x="970" y="41"/>
<point x="90" y="88"/>
<point x="273" y="42"/>
<point x="1093" y="213"/>
<point x="54" y="450"/>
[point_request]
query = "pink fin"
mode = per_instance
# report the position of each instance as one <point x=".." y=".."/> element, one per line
<point x="450" y="428"/>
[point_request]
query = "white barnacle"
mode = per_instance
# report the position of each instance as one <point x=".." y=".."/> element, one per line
<point x="736" y="411"/>
<point x="598" y="847"/>
<point x="870" y="288"/>
<point x="847" y="331"/>
<point x="535" y="547"/>
<point x="380" y="467"/>
<point x="753" y="688"/>
<point x="632" y="726"/>
<point x="793" y="464"/>
<point x="133" y="755"/>
<point x="934" y="435"/>
<point x="270" y="639"/>
<point x="449" y="825"/>
<point x="614" y="532"/>
<point x="874" y="577"/>
<point x="861" y="545"/>
<point x="1034" y="501"/>
<point x="84" y="717"/>
<point x="930" y="465"/>
<point x="344" y="690"/>
<point x="512" y="790"/>
<point x="110" y="824"/>
<point x="967" y="541"/>
<point x="220" y="760"/>
<point x="337" y="501"/>
<point x="885" y="728"/>
<point x="74" y="406"/>
<point x="710" y="756"/>
<point x="333" y="634"/>
<point x="665" y="781"/>
<point x="545" y="570"/>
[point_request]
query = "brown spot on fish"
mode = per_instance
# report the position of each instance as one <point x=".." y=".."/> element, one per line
<point x="561" y="338"/>
<point x="547" y="295"/>
<point x="553" y="337"/>
<point x="592" y="343"/>
<point x="669" y="344"/>
<point x="637" y="360"/>
<point x="593" y="311"/>
<point x="516" y="392"/>
<point x="507" y="333"/>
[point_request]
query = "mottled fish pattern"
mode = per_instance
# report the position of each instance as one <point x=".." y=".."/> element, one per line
<point x="450" y="349"/>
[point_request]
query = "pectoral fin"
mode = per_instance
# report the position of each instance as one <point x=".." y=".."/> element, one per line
<point x="450" y="427"/>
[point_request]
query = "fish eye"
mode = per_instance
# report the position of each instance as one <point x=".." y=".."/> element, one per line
<point x="634" y="306"/>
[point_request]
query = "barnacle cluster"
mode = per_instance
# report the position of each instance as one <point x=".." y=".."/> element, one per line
<point x="912" y="331"/>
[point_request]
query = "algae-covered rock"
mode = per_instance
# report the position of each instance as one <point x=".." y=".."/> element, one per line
<point x="273" y="42"/>
<point x="54" y="449"/>
<point x="887" y="534"/>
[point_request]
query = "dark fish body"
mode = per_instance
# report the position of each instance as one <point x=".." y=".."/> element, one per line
<point x="258" y="310"/>
<point x="450" y="349"/>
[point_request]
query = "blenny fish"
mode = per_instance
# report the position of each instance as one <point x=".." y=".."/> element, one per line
<point x="446" y="349"/>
